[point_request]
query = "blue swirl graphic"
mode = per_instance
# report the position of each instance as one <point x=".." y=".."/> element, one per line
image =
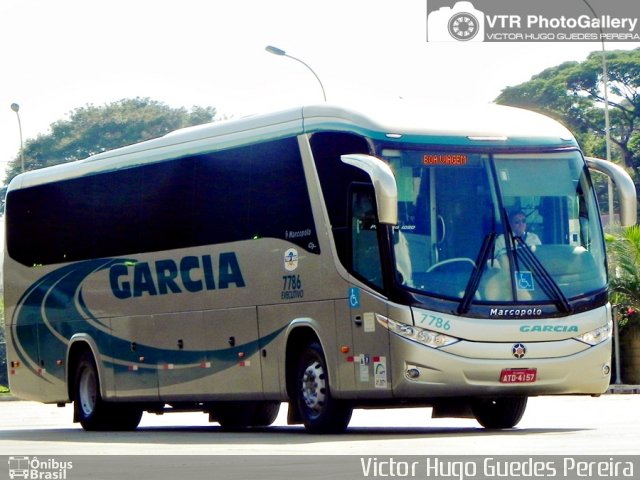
<point x="53" y="310"/>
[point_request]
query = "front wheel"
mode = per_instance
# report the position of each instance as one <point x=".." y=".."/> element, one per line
<point x="91" y="410"/>
<point x="321" y="413"/>
<point x="497" y="413"/>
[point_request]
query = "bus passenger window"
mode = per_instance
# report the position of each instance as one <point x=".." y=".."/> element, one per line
<point x="365" y="250"/>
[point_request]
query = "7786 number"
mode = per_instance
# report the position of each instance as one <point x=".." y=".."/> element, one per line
<point x="291" y="282"/>
<point x="435" y="321"/>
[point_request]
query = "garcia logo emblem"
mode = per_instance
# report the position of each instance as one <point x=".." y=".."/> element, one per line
<point x="291" y="259"/>
<point x="518" y="350"/>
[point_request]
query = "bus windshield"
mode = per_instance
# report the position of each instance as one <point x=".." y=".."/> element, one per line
<point x="495" y="227"/>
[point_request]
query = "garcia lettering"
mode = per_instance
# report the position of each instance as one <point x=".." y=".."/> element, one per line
<point x="549" y="328"/>
<point x="190" y="274"/>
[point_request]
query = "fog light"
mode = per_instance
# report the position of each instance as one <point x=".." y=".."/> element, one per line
<point x="413" y="373"/>
<point x="606" y="369"/>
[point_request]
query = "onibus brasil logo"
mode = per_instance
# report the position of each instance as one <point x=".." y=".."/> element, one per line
<point x="40" y="469"/>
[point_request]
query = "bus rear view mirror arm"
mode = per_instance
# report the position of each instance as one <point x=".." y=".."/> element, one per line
<point x="384" y="183"/>
<point x="624" y="184"/>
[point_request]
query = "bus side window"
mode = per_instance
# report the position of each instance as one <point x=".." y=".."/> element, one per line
<point x="365" y="250"/>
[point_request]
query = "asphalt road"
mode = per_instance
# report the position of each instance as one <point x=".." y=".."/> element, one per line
<point x="608" y="425"/>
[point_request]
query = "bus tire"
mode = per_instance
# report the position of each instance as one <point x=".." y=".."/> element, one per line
<point x="238" y="415"/>
<point x="93" y="413"/>
<point x="265" y="413"/>
<point x="500" y="412"/>
<point x="320" y="412"/>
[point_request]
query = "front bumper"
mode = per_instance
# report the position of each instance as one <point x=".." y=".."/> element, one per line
<point x="423" y="372"/>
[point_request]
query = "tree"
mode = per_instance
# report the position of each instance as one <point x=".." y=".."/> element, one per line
<point x="624" y="254"/>
<point x="573" y="93"/>
<point x="624" y="284"/>
<point x="90" y="130"/>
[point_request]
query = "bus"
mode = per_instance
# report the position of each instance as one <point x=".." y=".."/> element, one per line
<point x="323" y="257"/>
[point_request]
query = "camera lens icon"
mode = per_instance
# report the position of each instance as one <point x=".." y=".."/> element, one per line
<point x="460" y="23"/>
<point x="463" y="26"/>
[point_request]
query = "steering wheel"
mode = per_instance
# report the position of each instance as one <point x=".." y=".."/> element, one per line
<point x="451" y="261"/>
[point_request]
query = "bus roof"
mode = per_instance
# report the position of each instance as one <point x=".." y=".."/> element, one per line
<point x="487" y="126"/>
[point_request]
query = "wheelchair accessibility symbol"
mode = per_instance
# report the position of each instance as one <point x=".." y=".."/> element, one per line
<point x="524" y="281"/>
<point x="354" y="298"/>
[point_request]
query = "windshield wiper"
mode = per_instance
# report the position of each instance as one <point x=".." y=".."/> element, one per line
<point x="547" y="282"/>
<point x="486" y="250"/>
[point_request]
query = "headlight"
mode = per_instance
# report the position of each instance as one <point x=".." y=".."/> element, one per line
<point x="426" y="337"/>
<point x="598" y="335"/>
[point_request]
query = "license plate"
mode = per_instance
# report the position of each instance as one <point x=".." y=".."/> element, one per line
<point x="518" y="375"/>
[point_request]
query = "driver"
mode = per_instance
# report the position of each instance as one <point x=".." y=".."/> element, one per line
<point x="518" y="222"/>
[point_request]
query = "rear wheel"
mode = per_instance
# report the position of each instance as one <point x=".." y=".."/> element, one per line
<point x="265" y="413"/>
<point x="91" y="410"/>
<point x="501" y="412"/>
<point x="320" y="412"/>
<point x="237" y="415"/>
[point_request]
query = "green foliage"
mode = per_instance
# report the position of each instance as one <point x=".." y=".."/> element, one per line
<point x="550" y="93"/>
<point x="90" y="130"/>
<point x="624" y="284"/>
<point x="573" y="93"/>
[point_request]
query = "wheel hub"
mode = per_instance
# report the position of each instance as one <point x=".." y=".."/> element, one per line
<point x="87" y="392"/>
<point x="314" y="387"/>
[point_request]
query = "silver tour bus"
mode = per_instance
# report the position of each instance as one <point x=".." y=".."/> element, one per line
<point x="322" y="257"/>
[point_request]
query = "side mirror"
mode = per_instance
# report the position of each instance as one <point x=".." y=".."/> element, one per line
<point x="384" y="184"/>
<point x="624" y="184"/>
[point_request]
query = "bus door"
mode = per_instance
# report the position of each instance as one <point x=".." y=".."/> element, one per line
<point x="370" y="348"/>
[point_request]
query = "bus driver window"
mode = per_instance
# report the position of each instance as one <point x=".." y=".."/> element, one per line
<point x="365" y="250"/>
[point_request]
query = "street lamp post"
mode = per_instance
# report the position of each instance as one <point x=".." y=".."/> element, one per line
<point x="282" y="53"/>
<point x="16" y="108"/>
<point x="607" y="123"/>
<point x="607" y="139"/>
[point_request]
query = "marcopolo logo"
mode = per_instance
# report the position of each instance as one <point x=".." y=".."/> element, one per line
<point x="526" y="21"/>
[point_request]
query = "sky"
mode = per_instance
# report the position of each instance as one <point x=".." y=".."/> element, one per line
<point x="59" y="55"/>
